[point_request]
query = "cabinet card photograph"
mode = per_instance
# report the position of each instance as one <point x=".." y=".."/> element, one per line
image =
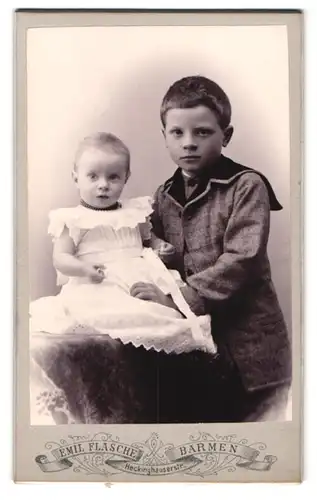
<point x="158" y="180"/>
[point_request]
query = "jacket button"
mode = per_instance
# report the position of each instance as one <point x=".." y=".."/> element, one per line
<point x="189" y="272"/>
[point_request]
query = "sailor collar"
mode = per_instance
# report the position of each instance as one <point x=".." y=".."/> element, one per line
<point x="225" y="171"/>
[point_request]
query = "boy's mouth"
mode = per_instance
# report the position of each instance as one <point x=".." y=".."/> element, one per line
<point x="190" y="158"/>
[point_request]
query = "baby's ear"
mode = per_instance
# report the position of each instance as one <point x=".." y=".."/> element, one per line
<point x="163" y="132"/>
<point x="227" y="134"/>
<point x="74" y="176"/>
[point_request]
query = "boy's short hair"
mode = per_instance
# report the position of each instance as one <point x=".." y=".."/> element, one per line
<point x="105" y="141"/>
<point x="192" y="91"/>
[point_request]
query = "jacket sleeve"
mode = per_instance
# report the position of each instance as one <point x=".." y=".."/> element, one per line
<point x="155" y="218"/>
<point x="244" y="244"/>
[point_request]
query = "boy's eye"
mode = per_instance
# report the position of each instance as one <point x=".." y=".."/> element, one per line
<point x="176" y="132"/>
<point x="203" y="132"/>
<point x="92" y="176"/>
<point x="113" y="177"/>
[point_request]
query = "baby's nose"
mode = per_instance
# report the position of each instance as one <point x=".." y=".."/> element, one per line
<point x="102" y="184"/>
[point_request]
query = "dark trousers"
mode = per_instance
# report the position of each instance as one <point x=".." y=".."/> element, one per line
<point x="196" y="388"/>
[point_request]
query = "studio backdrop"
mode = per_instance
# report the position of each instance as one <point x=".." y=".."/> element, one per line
<point x="87" y="79"/>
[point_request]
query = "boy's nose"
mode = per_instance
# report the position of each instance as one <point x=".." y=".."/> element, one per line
<point x="189" y="143"/>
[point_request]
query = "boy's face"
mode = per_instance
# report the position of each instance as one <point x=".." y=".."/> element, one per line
<point x="194" y="137"/>
<point x="100" y="176"/>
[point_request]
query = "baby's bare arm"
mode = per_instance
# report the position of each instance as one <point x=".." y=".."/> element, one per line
<point x="67" y="263"/>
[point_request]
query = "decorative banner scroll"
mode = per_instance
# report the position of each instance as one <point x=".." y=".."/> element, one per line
<point x="203" y="455"/>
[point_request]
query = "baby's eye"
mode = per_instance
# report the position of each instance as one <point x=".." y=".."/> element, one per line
<point x="92" y="176"/>
<point x="113" y="177"/>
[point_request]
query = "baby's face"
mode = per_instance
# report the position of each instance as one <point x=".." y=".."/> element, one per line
<point x="193" y="137"/>
<point x="100" y="176"/>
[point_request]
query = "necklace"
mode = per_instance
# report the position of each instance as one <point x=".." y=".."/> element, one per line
<point x="115" y="206"/>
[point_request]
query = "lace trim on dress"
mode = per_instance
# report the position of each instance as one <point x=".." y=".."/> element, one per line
<point x="131" y="213"/>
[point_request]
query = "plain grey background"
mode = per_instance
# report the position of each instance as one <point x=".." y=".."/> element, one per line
<point x="81" y="80"/>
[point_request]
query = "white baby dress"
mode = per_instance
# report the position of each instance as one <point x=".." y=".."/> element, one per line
<point x="113" y="237"/>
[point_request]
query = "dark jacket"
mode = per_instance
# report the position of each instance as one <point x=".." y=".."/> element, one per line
<point x="220" y="235"/>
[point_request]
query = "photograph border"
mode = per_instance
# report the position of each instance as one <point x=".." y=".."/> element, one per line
<point x="35" y="452"/>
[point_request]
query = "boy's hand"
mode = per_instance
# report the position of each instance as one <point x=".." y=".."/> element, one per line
<point x="95" y="272"/>
<point x="147" y="291"/>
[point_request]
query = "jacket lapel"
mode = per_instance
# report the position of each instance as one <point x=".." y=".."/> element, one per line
<point x="224" y="171"/>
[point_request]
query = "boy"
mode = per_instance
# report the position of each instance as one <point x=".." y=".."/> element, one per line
<point x="216" y="214"/>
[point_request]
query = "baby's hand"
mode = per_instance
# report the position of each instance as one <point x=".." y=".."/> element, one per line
<point x="165" y="251"/>
<point x="95" y="272"/>
<point x="165" y="248"/>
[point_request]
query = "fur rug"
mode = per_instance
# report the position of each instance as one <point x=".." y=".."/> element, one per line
<point x="104" y="381"/>
<point x="107" y="382"/>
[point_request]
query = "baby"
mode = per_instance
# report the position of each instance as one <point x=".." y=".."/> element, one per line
<point x="104" y="252"/>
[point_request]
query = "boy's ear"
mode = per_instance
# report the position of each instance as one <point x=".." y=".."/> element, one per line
<point x="74" y="176"/>
<point x="227" y="134"/>
<point x="163" y="132"/>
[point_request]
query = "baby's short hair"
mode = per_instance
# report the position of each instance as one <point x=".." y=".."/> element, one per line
<point x="106" y="141"/>
<point x="192" y="91"/>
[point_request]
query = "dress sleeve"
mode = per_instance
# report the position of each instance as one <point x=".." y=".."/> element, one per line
<point x="56" y="224"/>
<point x="61" y="218"/>
<point x="145" y="205"/>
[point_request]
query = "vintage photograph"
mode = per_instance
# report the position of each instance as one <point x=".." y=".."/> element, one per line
<point x="158" y="321"/>
<point x="158" y="162"/>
